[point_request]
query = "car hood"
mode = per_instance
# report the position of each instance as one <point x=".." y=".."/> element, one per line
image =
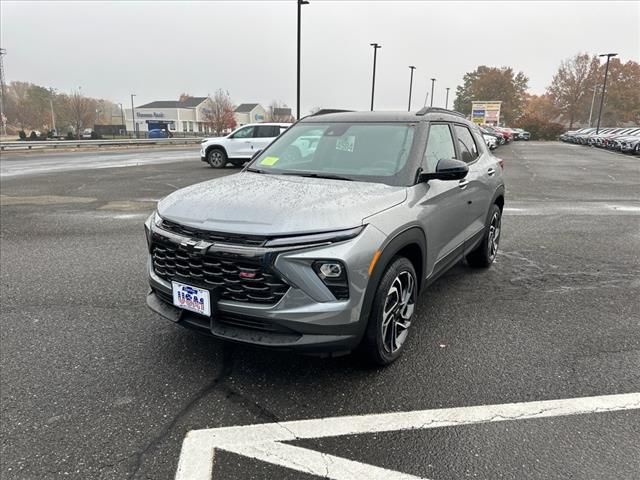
<point x="265" y="204"/>
<point x="213" y="139"/>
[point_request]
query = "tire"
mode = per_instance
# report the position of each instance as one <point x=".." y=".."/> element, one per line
<point x="393" y="308"/>
<point x="217" y="158"/>
<point x="485" y="253"/>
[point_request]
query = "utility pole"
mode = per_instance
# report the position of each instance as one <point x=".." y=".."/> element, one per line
<point x="300" y="3"/>
<point x="593" y="100"/>
<point x="446" y="102"/>
<point x="3" y="92"/>
<point x="433" y="81"/>
<point x="53" y="116"/>
<point x="373" y="83"/>
<point x="604" y="86"/>
<point x="410" y="86"/>
<point x="133" y="116"/>
<point x="124" y="123"/>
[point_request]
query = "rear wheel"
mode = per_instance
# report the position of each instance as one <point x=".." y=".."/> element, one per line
<point x="485" y="253"/>
<point x="217" y="158"/>
<point x="392" y="312"/>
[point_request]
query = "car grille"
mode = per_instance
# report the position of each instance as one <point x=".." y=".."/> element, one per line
<point x="233" y="276"/>
<point x="246" y="240"/>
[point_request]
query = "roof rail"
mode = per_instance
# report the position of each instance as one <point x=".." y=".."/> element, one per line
<point x="426" y="110"/>
<point x="326" y="111"/>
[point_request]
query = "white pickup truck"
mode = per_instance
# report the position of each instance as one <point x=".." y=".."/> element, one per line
<point x="240" y="145"/>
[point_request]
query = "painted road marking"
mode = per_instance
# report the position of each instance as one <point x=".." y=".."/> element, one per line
<point x="264" y="441"/>
<point x="572" y="208"/>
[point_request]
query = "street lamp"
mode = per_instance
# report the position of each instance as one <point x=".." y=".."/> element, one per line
<point x="133" y="116"/>
<point x="373" y="83"/>
<point x="604" y="86"/>
<point x="433" y="81"/>
<point x="412" y="68"/>
<point x="446" y="102"/>
<point x="300" y="3"/>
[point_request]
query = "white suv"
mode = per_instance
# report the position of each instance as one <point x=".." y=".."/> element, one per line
<point x="240" y="145"/>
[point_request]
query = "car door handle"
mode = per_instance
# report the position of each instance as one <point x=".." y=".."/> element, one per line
<point x="463" y="183"/>
<point x="491" y="172"/>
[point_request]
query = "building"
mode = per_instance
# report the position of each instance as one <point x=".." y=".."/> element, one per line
<point x="249" y="113"/>
<point x="172" y="115"/>
<point x="282" y="114"/>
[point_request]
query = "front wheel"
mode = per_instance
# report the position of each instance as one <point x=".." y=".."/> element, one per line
<point x="392" y="312"/>
<point x="485" y="253"/>
<point x="217" y="158"/>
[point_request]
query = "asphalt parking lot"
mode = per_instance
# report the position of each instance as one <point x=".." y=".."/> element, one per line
<point x="94" y="386"/>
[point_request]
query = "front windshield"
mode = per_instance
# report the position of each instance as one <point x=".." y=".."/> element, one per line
<point x="372" y="152"/>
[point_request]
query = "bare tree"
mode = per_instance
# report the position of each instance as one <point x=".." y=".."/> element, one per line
<point x="80" y="111"/>
<point x="219" y="112"/>
<point x="279" y="112"/>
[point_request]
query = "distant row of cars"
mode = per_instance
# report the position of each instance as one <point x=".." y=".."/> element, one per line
<point x="626" y="140"/>
<point x="496" y="136"/>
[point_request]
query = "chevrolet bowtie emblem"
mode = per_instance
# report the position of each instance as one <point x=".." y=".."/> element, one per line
<point x="197" y="246"/>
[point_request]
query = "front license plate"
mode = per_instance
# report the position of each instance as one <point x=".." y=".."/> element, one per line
<point x="191" y="298"/>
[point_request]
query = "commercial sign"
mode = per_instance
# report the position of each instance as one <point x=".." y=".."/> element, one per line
<point x="485" y="112"/>
<point x="149" y="115"/>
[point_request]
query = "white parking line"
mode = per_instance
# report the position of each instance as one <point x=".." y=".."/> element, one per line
<point x="263" y="441"/>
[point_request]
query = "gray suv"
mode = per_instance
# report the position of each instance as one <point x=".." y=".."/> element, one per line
<point x="324" y="241"/>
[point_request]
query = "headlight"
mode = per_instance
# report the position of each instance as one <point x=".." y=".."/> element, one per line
<point x="334" y="275"/>
<point x="157" y="219"/>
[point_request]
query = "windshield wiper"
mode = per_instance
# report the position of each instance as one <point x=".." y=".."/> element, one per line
<point x="319" y="175"/>
<point x="256" y="170"/>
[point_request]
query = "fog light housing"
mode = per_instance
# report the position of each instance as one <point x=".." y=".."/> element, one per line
<point x="334" y="275"/>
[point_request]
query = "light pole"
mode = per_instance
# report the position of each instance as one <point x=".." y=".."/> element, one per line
<point x="373" y="83"/>
<point x="446" y="102"/>
<point x="433" y="82"/>
<point x="300" y="3"/>
<point x="604" y="86"/>
<point x="124" y="123"/>
<point x="410" y="86"/>
<point x="133" y="116"/>
<point x="593" y="101"/>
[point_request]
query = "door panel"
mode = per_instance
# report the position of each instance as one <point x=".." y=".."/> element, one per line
<point x="443" y="210"/>
<point x="240" y="144"/>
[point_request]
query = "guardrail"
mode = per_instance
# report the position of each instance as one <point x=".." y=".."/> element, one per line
<point x="29" y="145"/>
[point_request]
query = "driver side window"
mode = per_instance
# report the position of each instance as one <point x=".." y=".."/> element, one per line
<point x="246" y="132"/>
<point x="439" y="146"/>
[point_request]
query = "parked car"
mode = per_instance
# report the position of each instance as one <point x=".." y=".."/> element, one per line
<point x="158" y="133"/>
<point x="240" y="145"/>
<point x="506" y="133"/>
<point x="521" y="134"/>
<point x="491" y="141"/>
<point x="492" y="131"/>
<point x="86" y="134"/>
<point x="325" y="249"/>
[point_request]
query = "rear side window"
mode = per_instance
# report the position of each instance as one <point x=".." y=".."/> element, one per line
<point x="439" y="146"/>
<point x="267" y="131"/>
<point x="466" y="144"/>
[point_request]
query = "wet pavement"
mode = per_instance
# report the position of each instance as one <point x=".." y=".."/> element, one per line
<point x="95" y="386"/>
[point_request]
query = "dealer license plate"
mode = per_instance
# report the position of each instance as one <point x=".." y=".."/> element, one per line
<point x="191" y="298"/>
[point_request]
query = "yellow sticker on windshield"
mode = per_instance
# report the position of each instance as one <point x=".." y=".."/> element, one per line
<point x="269" y="161"/>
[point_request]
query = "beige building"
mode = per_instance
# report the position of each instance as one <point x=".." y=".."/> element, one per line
<point x="249" y="113"/>
<point x="171" y="115"/>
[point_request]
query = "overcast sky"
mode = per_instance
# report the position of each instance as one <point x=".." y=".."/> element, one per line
<point x="159" y="49"/>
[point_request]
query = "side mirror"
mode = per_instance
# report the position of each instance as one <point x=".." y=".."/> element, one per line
<point x="255" y="154"/>
<point x="447" y="169"/>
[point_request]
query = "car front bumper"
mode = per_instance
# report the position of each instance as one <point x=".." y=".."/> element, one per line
<point x="308" y="318"/>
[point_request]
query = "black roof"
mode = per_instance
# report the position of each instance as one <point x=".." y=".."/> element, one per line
<point x="387" y="116"/>
<point x="245" y="107"/>
<point x="190" y="102"/>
